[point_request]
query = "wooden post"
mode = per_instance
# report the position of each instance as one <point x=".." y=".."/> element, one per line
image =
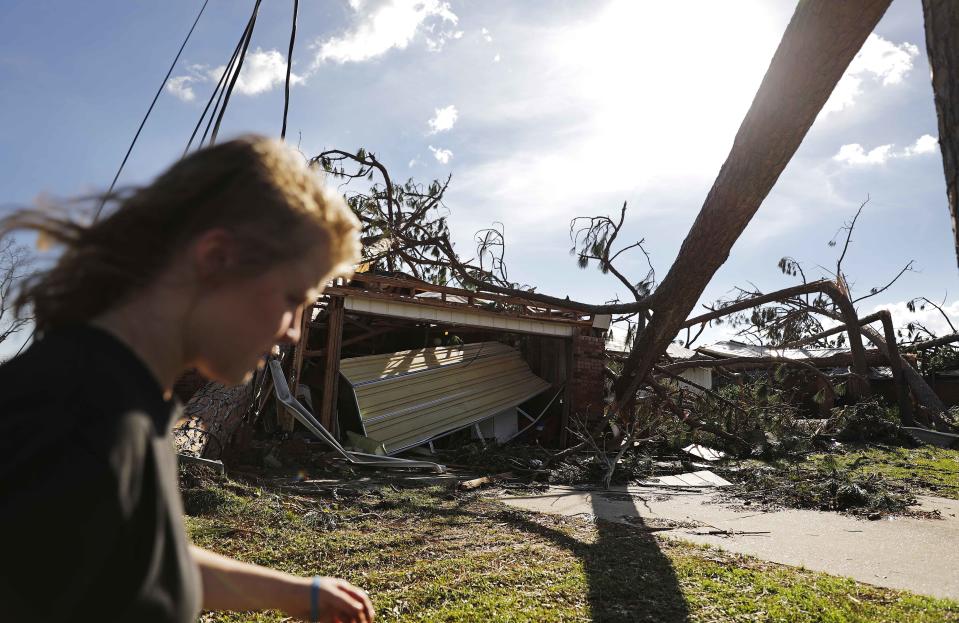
<point x="284" y="419"/>
<point x="331" y="372"/>
<point x="305" y="316"/>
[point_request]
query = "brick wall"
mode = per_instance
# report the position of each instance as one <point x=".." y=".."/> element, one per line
<point x="586" y="377"/>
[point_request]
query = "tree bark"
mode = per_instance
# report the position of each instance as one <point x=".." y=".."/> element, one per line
<point x="942" y="47"/>
<point x="819" y="43"/>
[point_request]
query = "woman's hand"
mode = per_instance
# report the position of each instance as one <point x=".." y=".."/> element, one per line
<point x="339" y="602"/>
<point x="229" y="584"/>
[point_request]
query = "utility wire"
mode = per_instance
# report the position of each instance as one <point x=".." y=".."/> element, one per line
<point x="219" y="85"/>
<point x="126" y="156"/>
<point x="289" y="69"/>
<point x="236" y="74"/>
<point x="219" y="98"/>
<point x="96" y="216"/>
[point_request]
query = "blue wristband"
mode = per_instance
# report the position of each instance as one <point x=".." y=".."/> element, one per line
<point x="315" y="599"/>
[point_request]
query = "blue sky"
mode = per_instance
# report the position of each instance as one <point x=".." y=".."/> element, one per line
<point x="541" y="111"/>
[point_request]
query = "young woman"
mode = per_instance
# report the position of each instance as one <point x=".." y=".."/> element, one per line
<point x="206" y="267"/>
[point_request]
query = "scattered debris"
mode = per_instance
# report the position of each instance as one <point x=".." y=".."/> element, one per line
<point x="693" y="480"/>
<point x="705" y="453"/>
<point x="476" y="483"/>
<point x="215" y="465"/>
<point x="932" y="437"/>
<point x="823" y="487"/>
<point x="313" y="425"/>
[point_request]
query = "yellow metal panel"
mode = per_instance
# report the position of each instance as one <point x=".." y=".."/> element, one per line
<point x="409" y="397"/>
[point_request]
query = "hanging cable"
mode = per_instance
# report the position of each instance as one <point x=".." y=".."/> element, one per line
<point x="96" y="216"/>
<point x="227" y="73"/>
<point x="289" y="69"/>
<point x="220" y="83"/>
<point x="236" y="73"/>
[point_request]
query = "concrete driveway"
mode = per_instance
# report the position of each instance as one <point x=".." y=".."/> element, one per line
<point x="919" y="555"/>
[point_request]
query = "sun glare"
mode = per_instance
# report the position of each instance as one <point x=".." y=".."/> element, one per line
<point x="668" y="83"/>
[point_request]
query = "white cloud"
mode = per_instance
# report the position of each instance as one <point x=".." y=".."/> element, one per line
<point x="436" y="41"/>
<point x="180" y="87"/>
<point x="928" y="317"/>
<point x="262" y="71"/>
<point x="442" y="156"/>
<point x="384" y="25"/>
<point x="496" y="58"/>
<point x="486" y="36"/>
<point x="884" y="59"/>
<point x="879" y="61"/>
<point x="855" y="154"/>
<point x="925" y="144"/>
<point x="443" y="119"/>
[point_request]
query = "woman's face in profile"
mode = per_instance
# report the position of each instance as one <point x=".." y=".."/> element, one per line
<point x="235" y="324"/>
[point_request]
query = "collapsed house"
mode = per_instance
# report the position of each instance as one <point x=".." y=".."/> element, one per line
<point x="402" y="362"/>
<point x="387" y="363"/>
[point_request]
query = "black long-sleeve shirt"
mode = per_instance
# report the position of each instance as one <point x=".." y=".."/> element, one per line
<point x="91" y="522"/>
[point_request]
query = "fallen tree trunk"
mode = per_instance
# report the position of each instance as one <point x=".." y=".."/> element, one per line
<point x="821" y="39"/>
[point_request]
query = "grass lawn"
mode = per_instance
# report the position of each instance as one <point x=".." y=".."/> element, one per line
<point x="926" y="469"/>
<point x="430" y="554"/>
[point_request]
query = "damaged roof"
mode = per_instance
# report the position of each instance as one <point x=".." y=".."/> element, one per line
<point x="732" y="348"/>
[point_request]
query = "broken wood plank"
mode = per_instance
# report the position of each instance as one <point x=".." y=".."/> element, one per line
<point x="476" y="483"/>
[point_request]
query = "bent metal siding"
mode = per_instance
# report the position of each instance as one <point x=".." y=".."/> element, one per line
<point x="409" y="397"/>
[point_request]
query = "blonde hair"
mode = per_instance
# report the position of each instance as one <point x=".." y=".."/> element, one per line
<point x="254" y="187"/>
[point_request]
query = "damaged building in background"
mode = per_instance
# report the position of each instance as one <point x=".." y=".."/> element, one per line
<point x="387" y="363"/>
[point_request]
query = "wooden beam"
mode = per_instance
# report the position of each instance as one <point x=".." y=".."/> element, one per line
<point x="421" y="286"/>
<point x="337" y="291"/>
<point x="353" y="340"/>
<point x="331" y="372"/>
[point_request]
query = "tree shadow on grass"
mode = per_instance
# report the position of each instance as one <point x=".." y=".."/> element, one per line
<point x="629" y="577"/>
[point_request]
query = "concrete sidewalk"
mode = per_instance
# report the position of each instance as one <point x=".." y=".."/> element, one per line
<point x="919" y="555"/>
